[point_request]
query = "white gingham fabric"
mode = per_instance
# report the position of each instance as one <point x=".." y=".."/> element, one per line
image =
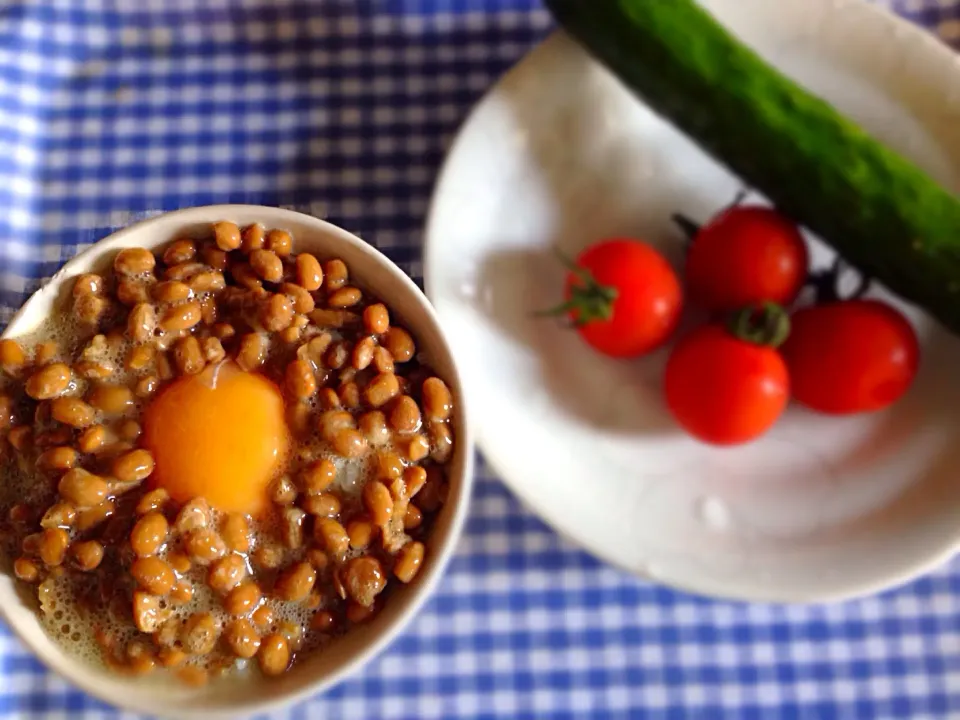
<point x="112" y="110"/>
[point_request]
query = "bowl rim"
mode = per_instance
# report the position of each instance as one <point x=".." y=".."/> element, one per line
<point x="65" y="665"/>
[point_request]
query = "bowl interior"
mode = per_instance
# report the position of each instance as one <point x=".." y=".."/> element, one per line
<point x="231" y="698"/>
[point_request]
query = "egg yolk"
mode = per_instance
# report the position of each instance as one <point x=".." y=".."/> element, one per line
<point x="220" y="435"/>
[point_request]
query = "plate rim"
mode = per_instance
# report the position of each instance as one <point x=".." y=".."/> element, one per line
<point x="840" y="592"/>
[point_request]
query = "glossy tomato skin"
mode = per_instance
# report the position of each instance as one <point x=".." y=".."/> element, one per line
<point x="745" y="256"/>
<point x="723" y="390"/>
<point x="851" y="356"/>
<point x="649" y="297"/>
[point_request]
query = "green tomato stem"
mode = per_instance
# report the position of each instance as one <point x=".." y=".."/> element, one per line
<point x="767" y="324"/>
<point x="589" y="300"/>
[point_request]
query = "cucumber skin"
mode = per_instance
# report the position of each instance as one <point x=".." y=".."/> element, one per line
<point x="877" y="209"/>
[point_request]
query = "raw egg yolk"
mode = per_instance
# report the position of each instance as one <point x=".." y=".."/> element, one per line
<point x="220" y="435"/>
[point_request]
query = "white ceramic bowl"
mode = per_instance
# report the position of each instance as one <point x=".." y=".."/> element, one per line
<point x="230" y="699"/>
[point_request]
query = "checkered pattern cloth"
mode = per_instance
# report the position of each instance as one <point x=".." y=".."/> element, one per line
<point x="111" y="110"/>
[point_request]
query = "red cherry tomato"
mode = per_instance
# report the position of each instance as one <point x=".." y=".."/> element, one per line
<point x="851" y="356"/>
<point x="725" y="390"/>
<point x="624" y="297"/>
<point x="745" y="256"/>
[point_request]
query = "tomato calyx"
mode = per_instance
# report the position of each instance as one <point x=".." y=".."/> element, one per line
<point x="826" y="283"/>
<point x="691" y="228"/>
<point x="688" y="227"/>
<point x="766" y="324"/>
<point x="589" y="301"/>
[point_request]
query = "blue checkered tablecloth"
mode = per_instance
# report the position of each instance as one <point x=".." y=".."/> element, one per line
<point x="111" y="110"/>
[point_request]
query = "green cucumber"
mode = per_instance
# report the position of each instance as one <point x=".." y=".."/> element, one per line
<point x="879" y="211"/>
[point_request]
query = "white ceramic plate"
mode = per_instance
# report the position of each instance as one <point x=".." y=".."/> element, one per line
<point x="559" y="154"/>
